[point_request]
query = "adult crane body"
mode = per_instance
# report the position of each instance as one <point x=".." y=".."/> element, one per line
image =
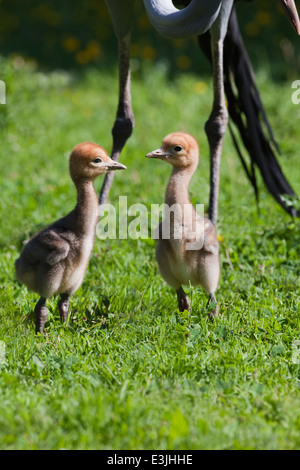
<point x="196" y="19"/>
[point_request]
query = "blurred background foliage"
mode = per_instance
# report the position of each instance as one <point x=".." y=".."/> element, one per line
<point x="73" y="34"/>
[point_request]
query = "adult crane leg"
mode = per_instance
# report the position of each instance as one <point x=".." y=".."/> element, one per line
<point x="217" y="123"/>
<point x="248" y="117"/>
<point x="121" y="14"/>
<point x="124" y="121"/>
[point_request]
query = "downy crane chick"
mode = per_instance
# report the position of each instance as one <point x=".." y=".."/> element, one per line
<point x="187" y="250"/>
<point x="55" y="260"/>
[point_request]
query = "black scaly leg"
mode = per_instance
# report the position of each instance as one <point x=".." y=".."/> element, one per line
<point x="41" y="314"/>
<point x="63" y="306"/>
<point x="124" y="122"/>
<point x="183" y="300"/>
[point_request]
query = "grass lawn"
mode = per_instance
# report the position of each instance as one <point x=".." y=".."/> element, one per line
<point x="130" y="371"/>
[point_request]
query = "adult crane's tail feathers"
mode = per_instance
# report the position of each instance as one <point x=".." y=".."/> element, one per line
<point x="248" y="115"/>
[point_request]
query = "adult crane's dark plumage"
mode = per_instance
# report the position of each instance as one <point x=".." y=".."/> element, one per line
<point x="197" y="18"/>
<point x="247" y="113"/>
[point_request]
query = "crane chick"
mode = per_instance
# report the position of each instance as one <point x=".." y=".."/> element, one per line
<point x="187" y="250"/>
<point x="54" y="261"/>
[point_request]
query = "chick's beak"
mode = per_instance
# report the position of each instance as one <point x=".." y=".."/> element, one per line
<point x="159" y="153"/>
<point x="291" y="12"/>
<point x="112" y="166"/>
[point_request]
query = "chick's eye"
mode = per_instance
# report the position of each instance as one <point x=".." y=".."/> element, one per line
<point x="97" y="160"/>
<point x="177" y="148"/>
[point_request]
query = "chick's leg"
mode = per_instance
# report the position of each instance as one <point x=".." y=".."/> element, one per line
<point x="183" y="300"/>
<point x="63" y="306"/>
<point x="41" y="314"/>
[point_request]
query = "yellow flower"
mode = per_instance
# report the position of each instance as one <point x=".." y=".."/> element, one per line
<point x="263" y="18"/>
<point x="82" y="57"/>
<point x="93" y="48"/>
<point x="71" y="44"/>
<point x="252" y="29"/>
<point x="91" y="52"/>
<point x="148" y="52"/>
<point x="183" y="62"/>
<point x="200" y="88"/>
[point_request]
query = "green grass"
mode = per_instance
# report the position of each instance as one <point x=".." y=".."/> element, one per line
<point x="130" y="371"/>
